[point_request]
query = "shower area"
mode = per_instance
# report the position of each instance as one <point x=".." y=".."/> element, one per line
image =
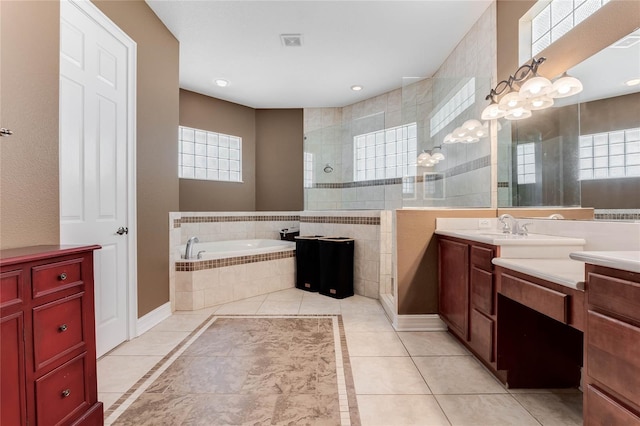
<point x="399" y="150"/>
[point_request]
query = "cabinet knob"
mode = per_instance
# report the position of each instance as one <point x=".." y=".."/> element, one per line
<point x="66" y="393"/>
<point x="63" y="276"/>
<point x="62" y="328"/>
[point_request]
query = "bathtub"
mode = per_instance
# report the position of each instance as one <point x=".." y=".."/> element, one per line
<point x="232" y="270"/>
<point x="236" y="248"/>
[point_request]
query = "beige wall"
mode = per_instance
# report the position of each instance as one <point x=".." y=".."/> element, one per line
<point x="29" y="67"/>
<point x="279" y="160"/>
<point x="157" y="127"/>
<point x="29" y="100"/>
<point x="203" y="112"/>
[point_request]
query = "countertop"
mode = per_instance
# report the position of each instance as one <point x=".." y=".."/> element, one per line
<point x="566" y="272"/>
<point x="624" y="260"/>
<point x="493" y="237"/>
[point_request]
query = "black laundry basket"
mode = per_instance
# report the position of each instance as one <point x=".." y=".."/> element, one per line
<point x="336" y="266"/>
<point x="307" y="262"/>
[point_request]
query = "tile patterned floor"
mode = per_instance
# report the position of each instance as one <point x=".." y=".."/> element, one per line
<point x="400" y="378"/>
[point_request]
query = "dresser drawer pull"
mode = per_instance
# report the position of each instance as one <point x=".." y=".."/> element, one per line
<point x="66" y="393"/>
<point x="62" y="328"/>
<point x="63" y="276"/>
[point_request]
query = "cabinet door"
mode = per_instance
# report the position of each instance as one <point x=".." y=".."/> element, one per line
<point x="12" y="371"/>
<point x="453" y="285"/>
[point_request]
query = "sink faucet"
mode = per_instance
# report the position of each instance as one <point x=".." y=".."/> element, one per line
<point x="188" y="252"/>
<point x="510" y="225"/>
<point x="507" y="227"/>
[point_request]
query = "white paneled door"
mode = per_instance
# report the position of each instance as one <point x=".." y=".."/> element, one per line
<point x="96" y="138"/>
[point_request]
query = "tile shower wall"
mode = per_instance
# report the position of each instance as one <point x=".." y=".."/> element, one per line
<point x="365" y="228"/>
<point x="468" y="171"/>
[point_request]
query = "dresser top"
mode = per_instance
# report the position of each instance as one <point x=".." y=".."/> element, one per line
<point x="31" y="253"/>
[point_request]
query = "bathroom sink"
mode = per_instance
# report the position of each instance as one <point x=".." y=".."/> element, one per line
<point x="519" y="246"/>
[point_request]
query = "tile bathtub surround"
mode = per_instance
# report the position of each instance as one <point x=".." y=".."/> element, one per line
<point x="363" y="226"/>
<point x="200" y="265"/>
<point x="247" y="370"/>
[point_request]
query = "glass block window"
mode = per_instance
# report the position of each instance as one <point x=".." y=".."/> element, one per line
<point x="461" y="100"/>
<point x="610" y="154"/>
<point x="388" y="153"/>
<point x="526" y="163"/>
<point x="558" y="18"/>
<point x="308" y="170"/>
<point x="209" y="155"/>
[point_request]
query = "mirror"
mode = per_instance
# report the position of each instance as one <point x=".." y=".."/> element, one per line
<point x="585" y="150"/>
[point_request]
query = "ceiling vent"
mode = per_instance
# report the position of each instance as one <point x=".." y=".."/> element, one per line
<point x="628" y="41"/>
<point x="291" y="40"/>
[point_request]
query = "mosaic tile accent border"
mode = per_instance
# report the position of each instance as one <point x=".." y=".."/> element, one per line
<point x="344" y="220"/>
<point x="617" y="214"/>
<point x="453" y="171"/>
<point x="200" y="265"/>
<point x="213" y="219"/>
<point x="503" y="184"/>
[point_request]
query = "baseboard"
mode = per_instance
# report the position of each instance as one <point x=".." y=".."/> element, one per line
<point x="430" y="322"/>
<point x="153" y="318"/>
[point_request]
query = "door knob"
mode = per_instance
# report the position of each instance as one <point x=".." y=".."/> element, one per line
<point x="122" y="230"/>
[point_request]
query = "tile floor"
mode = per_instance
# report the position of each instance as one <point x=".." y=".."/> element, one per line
<point x="401" y="378"/>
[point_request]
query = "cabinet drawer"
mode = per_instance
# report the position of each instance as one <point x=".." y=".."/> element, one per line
<point x="57" y="276"/>
<point x="603" y="410"/>
<point x="481" y="257"/>
<point x="612" y="354"/>
<point x="546" y="301"/>
<point x="614" y="295"/>
<point x="11" y="288"/>
<point x="60" y="395"/>
<point x="482" y="290"/>
<point x="482" y="335"/>
<point x="57" y="329"/>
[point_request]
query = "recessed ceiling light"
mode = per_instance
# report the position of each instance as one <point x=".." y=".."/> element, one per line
<point x="633" y="82"/>
<point x="222" y="83"/>
<point x="356" y="88"/>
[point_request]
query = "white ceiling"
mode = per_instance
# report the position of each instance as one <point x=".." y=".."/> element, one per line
<point x="370" y="43"/>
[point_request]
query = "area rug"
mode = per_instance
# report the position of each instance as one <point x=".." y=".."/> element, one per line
<point x="248" y="370"/>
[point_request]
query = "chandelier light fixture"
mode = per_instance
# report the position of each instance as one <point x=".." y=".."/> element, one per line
<point x="471" y="131"/>
<point x="526" y="91"/>
<point x="429" y="158"/>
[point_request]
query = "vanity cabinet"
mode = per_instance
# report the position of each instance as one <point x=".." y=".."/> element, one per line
<point x="48" y="355"/>
<point x="453" y="285"/>
<point x="467" y="297"/>
<point x="612" y="345"/>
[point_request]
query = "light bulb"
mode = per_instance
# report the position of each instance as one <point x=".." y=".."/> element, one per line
<point x="535" y="86"/>
<point x="566" y="86"/>
<point x="493" y="111"/>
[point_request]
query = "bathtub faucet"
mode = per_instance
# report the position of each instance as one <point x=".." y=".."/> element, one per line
<point x="188" y="252"/>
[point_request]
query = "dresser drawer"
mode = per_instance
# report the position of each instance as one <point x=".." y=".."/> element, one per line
<point x="603" y="410"/>
<point x="544" y="300"/>
<point x="52" y="277"/>
<point x="61" y="395"/>
<point x="618" y="296"/>
<point x="482" y="290"/>
<point x="57" y="329"/>
<point x="482" y="335"/>
<point x="481" y="257"/>
<point x="612" y="354"/>
<point x="11" y="288"/>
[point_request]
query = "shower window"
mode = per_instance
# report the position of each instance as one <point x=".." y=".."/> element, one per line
<point x="610" y="154"/>
<point x="209" y="156"/>
<point x="385" y="154"/>
<point x="526" y="157"/>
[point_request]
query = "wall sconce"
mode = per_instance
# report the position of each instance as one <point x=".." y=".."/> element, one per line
<point x="535" y="93"/>
<point x="471" y="131"/>
<point x="429" y="158"/>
